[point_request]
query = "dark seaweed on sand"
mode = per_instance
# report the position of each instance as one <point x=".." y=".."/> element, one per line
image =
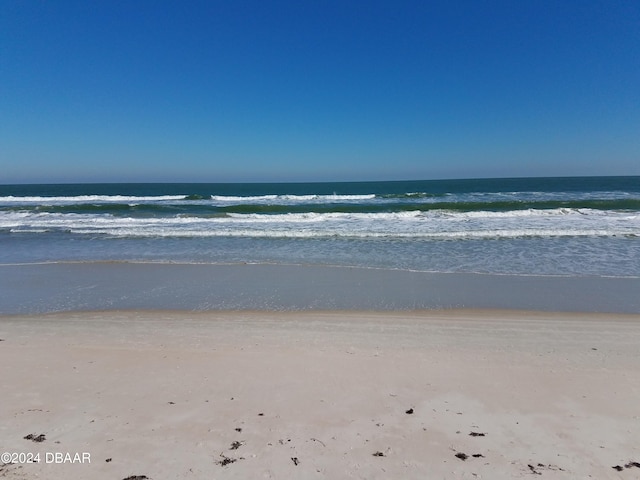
<point x="227" y="460"/>
<point x="619" y="468"/>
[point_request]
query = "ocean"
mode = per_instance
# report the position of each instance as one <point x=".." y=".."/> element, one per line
<point x="536" y="226"/>
<point x="553" y="227"/>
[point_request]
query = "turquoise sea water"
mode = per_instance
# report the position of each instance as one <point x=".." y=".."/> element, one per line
<point x="527" y="226"/>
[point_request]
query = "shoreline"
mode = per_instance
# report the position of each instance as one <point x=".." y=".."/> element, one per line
<point x="345" y="393"/>
<point x="298" y="265"/>
<point x="417" y="314"/>
<point x="41" y="288"/>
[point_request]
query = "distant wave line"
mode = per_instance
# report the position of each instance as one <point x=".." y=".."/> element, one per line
<point x="437" y="200"/>
<point x="371" y="207"/>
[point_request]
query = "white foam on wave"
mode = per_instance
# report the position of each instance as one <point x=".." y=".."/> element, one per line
<point x="318" y="217"/>
<point x="90" y="199"/>
<point x="301" y="234"/>
<point x="275" y="199"/>
<point x="530" y="212"/>
<point x="409" y="224"/>
<point x="235" y="199"/>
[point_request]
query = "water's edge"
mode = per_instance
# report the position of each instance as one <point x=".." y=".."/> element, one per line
<point x="42" y="288"/>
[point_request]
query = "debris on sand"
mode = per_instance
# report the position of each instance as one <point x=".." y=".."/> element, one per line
<point x="36" y="438"/>
<point x="227" y="460"/>
<point x="534" y="469"/>
<point x="619" y="468"/>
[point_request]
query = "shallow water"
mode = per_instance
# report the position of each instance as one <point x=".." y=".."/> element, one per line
<point x="121" y="286"/>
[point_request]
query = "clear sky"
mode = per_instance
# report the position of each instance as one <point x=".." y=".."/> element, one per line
<point x="317" y="90"/>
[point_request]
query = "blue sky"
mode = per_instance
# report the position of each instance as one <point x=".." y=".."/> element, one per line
<point x="317" y="90"/>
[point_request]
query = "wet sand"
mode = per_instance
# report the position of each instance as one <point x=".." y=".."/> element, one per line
<point x="323" y="394"/>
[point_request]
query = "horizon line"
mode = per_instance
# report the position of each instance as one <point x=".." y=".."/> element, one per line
<point x="93" y="182"/>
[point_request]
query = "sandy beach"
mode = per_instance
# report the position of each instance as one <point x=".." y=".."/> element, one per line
<point x="335" y="394"/>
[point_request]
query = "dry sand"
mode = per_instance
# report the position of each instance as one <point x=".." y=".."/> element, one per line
<point x="169" y="395"/>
